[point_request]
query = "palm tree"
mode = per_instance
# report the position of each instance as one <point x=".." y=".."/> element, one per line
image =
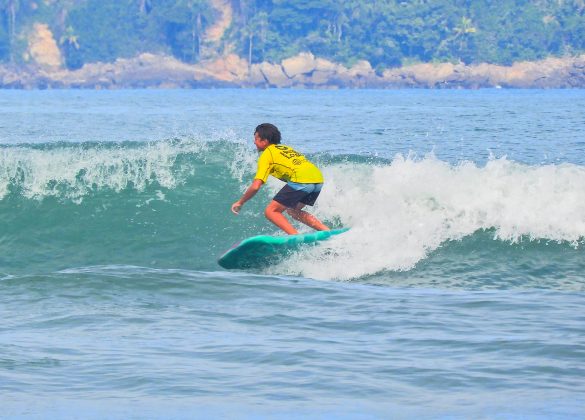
<point x="256" y="26"/>
<point x="248" y="32"/>
<point x="69" y="38"/>
<point x="337" y="19"/>
<point x="10" y="8"/>
<point x="70" y="45"/>
<point x="198" y="10"/>
<point x="463" y="30"/>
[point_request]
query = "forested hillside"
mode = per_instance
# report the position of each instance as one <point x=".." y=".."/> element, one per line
<point x="387" y="33"/>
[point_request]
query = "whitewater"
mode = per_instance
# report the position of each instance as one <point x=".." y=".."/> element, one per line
<point x="457" y="292"/>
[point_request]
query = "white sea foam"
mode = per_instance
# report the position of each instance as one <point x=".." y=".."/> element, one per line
<point x="74" y="170"/>
<point x="400" y="212"/>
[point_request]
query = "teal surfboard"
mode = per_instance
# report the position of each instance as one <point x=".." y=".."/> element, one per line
<point x="263" y="250"/>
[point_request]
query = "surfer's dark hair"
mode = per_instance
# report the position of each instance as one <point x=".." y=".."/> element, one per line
<point x="268" y="132"/>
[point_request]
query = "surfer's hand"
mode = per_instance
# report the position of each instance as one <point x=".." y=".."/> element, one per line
<point x="236" y="207"/>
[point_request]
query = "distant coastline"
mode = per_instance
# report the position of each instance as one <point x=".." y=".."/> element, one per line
<point x="302" y="71"/>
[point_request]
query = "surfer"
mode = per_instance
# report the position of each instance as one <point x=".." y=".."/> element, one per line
<point x="303" y="181"/>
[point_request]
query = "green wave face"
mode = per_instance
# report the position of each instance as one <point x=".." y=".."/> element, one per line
<point x="162" y="204"/>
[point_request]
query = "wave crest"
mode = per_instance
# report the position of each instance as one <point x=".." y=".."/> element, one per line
<point x="74" y="170"/>
<point x="401" y="211"/>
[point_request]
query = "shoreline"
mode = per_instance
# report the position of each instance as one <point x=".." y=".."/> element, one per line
<point x="304" y="71"/>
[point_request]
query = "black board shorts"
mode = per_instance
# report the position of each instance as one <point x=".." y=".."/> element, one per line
<point x="290" y="197"/>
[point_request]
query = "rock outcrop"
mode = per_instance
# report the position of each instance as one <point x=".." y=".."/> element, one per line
<point x="302" y="64"/>
<point x="548" y="73"/>
<point x="302" y="71"/>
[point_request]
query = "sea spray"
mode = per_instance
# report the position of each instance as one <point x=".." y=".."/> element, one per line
<point x="74" y="170"/>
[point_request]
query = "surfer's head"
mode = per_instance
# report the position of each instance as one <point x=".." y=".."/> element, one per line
<point x="267" y="131"/>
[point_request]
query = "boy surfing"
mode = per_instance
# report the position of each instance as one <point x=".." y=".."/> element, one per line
<point x="303" y="181"/>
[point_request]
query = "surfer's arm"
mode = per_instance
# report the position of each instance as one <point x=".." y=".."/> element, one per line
<point x="250" y="192"/>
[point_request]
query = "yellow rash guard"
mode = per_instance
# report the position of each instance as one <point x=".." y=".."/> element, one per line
<point x="287" y="164"/>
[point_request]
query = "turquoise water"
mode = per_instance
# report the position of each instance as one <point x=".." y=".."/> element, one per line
<point x="458" y="292"/>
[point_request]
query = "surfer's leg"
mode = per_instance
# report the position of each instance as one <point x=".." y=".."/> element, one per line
<point x="308" y="219"/>
<point x="273" y="213"/>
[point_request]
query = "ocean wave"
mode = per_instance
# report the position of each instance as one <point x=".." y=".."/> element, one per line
<point x="168" y="203"/>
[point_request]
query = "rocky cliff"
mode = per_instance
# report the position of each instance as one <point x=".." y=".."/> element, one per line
<point x="302" y="71"/>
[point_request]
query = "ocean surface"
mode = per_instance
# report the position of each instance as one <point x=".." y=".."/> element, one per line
<point x="458" y="292"/>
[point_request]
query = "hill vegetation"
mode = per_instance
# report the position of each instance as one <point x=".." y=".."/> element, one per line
<point x="387" y="33"/>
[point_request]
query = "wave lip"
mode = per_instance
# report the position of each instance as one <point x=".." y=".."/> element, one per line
<point x="73" y="170"/>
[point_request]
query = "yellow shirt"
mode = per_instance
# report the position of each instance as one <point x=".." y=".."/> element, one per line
<point x="286" y="164"/>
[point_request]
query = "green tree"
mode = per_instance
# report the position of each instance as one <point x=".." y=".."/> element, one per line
<point x="183" y="24"/>
<point x="385" y="32"/>
<point x="570" y="18"/>
<point x="108" y="29"/>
